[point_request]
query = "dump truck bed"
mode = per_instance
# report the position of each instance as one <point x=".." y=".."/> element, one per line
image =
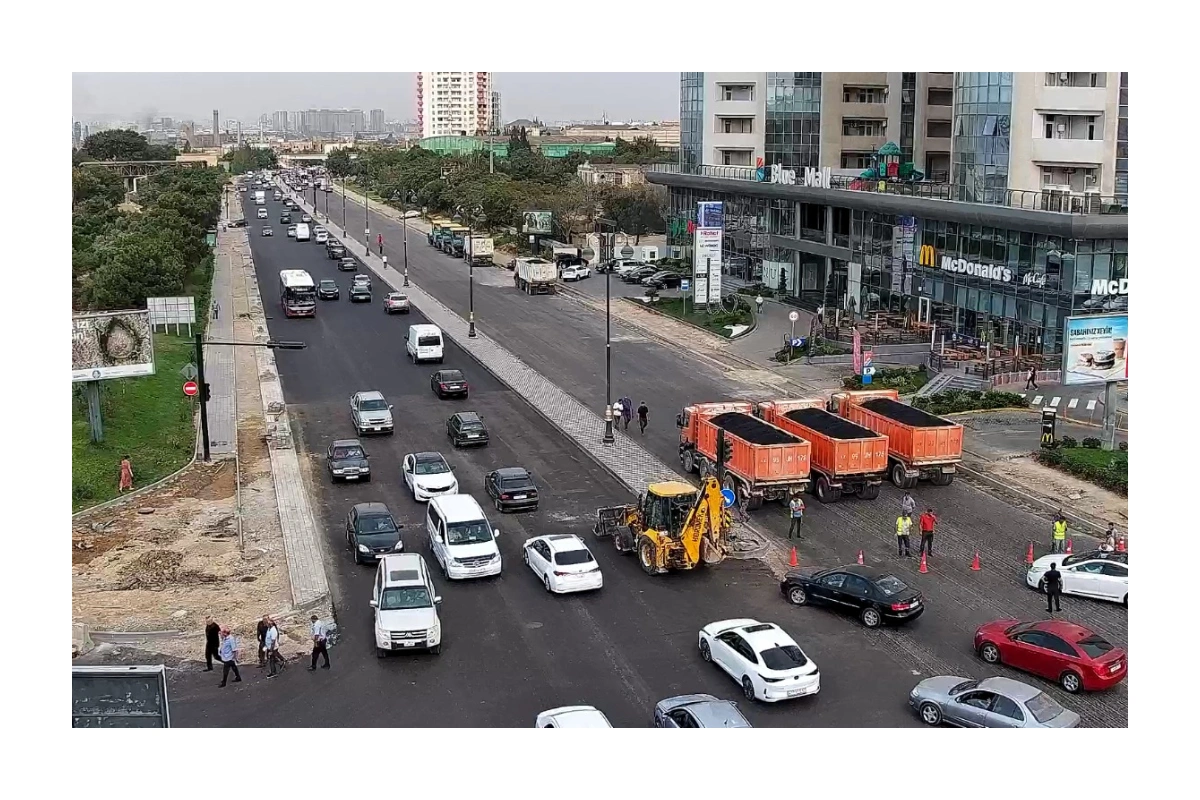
<point x="838" y="448"/>
<point x="905" y="414"/>
<point x="759" y="452"/>
<point x="915" y="437"/>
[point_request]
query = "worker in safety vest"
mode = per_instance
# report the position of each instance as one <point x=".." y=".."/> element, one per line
<point x="903" y="529"/>
<point x="1059" y="543"/>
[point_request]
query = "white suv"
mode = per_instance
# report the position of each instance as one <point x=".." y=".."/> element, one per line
<point x="461" y="538"/>
<point x="405" y="606"/>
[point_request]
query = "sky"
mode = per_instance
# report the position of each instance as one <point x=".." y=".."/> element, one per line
<point x="244" y="96"/>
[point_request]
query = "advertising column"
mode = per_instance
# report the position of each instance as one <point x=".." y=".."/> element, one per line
<point x="710" y="233"/>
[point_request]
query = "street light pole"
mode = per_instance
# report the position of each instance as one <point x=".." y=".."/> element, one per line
<point x="344" y="206"/>
<point x="404" y="221"/>
<point x="608" y="409"/>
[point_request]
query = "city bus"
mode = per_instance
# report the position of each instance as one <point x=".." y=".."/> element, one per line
<point x="297" y="293"/>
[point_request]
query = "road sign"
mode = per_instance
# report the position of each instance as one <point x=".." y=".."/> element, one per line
<point x="685" y="285"/>
<point x="793" y="316"/>
<point x="189" y="372"/>
<point x="868" y="358"/>
<point x="798" y="341"/>
<point x="729" y="497"/>
<point x="868" y="371"/>
<point x="190" y="388"/>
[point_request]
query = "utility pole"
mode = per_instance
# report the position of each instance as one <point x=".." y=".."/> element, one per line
<point x="204" y="395"/>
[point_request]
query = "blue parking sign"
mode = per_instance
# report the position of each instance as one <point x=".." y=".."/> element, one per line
<point x="685" y="285"/>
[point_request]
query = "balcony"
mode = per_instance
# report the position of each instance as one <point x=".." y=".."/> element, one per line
<point x="1068" y="151"/>
<point x="865" y="144"/>
<point x="854" y="110"/>
<point x="731" y="108"/>
<point x="1064" y="99"/>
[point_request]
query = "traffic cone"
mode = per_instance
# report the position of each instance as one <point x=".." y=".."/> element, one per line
<point x="1121" y="545"/>
<point x="1029" y="555"/>
<point x="924" y="566"/>
<point x="860" y="557"/>
<point x="975" y="564"/>
<point x="1069" y="549"/>
<point x="794" y="562"/>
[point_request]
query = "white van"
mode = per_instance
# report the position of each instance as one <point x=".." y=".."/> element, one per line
<point x="424" y="343"/>
<point x="302" y="233"/>
<point x="405" y="606"/>
<point x="461" y="538"/>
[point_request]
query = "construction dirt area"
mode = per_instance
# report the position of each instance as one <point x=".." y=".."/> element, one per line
<point x="1031" y="476"/>
<point x="158" y="564"/>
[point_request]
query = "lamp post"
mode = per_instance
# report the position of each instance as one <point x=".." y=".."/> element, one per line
<point x="343" y="205"/>
<point x="409" y="196"/>
<point x="366" y="222"/>
<point x="602" y="223"/>
<point x="470" y="216"/>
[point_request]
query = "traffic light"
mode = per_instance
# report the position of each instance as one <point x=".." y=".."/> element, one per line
<point x="724" y="449"/>
<point x="205" y="392"/>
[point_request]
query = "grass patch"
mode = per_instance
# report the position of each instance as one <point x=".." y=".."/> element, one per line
<point x="957" y="401"/>
<point x="147" y="418"/>
<point x="682" y="309"/>
<point x="1108" y="469"/>
<point x="903" y="380"/>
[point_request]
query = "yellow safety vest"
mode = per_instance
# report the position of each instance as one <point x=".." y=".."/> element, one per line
<point x="903" y="526"/>
<point x="1060" y="529"/>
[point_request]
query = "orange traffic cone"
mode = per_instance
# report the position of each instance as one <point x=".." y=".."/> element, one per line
<point x="924" y="566"/>
<point x="1069" y="549"/>
<point x="975" y="564"/>
<point x="794" y="562"/>
<point x="1121" y="545"/>
<point x="1029" y="555"/>
<point x="860" y="556"/>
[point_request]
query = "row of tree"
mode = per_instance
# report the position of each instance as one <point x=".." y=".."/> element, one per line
<point x="121" y="145"/>
<point x="122" y="256"/>
<point x="250" y="159"/>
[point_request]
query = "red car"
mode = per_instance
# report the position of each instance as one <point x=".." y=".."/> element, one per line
<point x="1076" y="658"/>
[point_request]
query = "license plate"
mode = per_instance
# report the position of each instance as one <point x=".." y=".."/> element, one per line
<point x="351" y="477"/>
<point x="472" y="435"/>
<point x="519" y="496"/>
<point x="1115" y="667"/>
<point x="796" y="692"/>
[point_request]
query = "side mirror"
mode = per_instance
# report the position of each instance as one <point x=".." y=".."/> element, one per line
<point x="437" y="600"/>
<point x="399" y="526"/>
<point x="453" y="467"/>
<point x="495" y="531"/>
<point x="390" y="406"/>
<point x="374" y="604"/>
<point x="679" y="420"/>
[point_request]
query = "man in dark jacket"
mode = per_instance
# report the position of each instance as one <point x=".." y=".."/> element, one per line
<point x="1053" y="581"/>
<point x="264" y="625"/>
<point x="212" y="642"/>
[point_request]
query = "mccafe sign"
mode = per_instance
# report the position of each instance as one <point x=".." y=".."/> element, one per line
<point x="993" y="272"/>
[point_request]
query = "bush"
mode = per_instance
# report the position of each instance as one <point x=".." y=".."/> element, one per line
<point x="902" y="379"/>
<point x="957" y="401"/>
<point x="1091" y="443"/>
<point x="1107" y="470"/>
<point x="1123" y="447"/>
<point x="1069" y="441"/>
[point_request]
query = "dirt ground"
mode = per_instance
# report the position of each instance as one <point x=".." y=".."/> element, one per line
<point x="1032" y="477"/>
<point x="165" y="562"/>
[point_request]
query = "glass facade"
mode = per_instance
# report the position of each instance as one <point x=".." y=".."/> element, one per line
<point x="1121" y="174"/>
<point x="691" y="120"/>
<point x="908" y="115"/>
<point x="793" y="133"/>
<point x="979" y="151"/>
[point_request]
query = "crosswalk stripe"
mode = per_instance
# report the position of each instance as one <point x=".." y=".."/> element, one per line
<point x="1037" y="401"/>
<point x="1074" y="402"/>
<point x="1054" y="403"/>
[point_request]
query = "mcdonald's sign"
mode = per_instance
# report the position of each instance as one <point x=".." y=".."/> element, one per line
<point x="926" y="256"/>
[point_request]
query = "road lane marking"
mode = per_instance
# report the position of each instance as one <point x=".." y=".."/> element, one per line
<point x="1054" y="403"/>
<point x="1037" y="401"/>
<point x="1074" y="402"/>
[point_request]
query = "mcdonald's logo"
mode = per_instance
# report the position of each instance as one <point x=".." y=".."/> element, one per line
<point x="926" y="257"/>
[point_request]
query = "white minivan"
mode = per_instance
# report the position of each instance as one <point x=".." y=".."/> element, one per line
<point x="405" y="606"/>
<point x="424" y="343"/>
<point x="461" y="538"/>
<point x="302" y="232"/>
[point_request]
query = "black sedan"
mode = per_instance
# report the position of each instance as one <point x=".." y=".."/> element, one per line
<point x="285" y="219"/>
<point x="347" y="265"/>
<point x="372" y="532"/>
<point x="663" y="280"/>
<point x="511" y="489"/>
<point x="448" y="383"/>
<point x="335" y="250"/>
<point x="328" y="290"/>
<point x="466" y="428"/>
<point x="639" y="274"/>
<point x="360" y="292"/>
<point x="875" y="597"/>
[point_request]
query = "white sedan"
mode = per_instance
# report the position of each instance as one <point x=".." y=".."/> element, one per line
<point x="576" y="273"/>
<point x="563" y="562"/>
<point x="572" y="717"/>
<point x="762" y="657"/>
<point x="1101" y="574"/>
<point x="427" y="475"/>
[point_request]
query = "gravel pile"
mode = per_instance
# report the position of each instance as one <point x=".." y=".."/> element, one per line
<point x="831" y="425"/>
<point x="906" y="414"/>
<point x="753" y="429"/>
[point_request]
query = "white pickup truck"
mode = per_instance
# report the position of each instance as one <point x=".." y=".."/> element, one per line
<point x="536" y="276"/>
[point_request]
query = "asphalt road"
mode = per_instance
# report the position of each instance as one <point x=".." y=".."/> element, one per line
<point x="510" y="649"/>
<point x="565" y="340"/>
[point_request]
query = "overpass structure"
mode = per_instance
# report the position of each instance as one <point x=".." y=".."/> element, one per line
<point x="133" y="171"/>
<point x="301" y="159"/>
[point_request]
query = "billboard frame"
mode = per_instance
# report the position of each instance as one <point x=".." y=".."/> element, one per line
<point x="537" y="223"/>
<point x="90" y="335"/>
<point x="86" y="708"/>
<point x="1095" y="334"/>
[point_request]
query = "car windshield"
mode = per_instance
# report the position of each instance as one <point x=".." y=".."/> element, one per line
<point x="1094" y="647"/>
<point x="468" y="532"/>
<point x="348" y="452"/>
<point x="451" y="375"/>
<point x="514" y="483"/>
<point x="890" y="585"/>
<point x="328" y="285"/>
<point x="471" y="425"/>
<point x="372" y="405"/>
<point x="964" y="686"/>
<point x="403" y="597"/>
<point x="571" y="557"/>
<point x="376" y="523"/>
<point x="1043" y="707"/>
<point x="783" y="658"/>
<point x="429" y="341"/>
<point x="432" y="467"/>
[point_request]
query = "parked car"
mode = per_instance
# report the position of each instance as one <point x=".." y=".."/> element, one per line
<point x="347" y="460"/>
<point x="637" y="275"/>
<point x="428" y="475"/>
<point x="328" y="290"/>
<point x="623" y="266"/>
<point x="1099" y="574"/>
<point x="572" y="717"/>
<point x="467" y="428"/>
<point x="511" y="489"/>
<point x="1077" y="658"/>
<point x="372" y="532"/>
<point x="873" y="595"/>
<point x="360" y="292"/>
<point x="396" y="303"/>
<point x="347" y="264"/>
<point x="448" y="383"/>
<point x="663" y="280"/>
<point x="371" y="413"/>
<point x="266" y="231"/>
<point x="761" y="657"/>
<point x="698" y="711"/>
<point x="575" y="273"/>
<point x="990" y="703"/>
<point x="563" y="563"/>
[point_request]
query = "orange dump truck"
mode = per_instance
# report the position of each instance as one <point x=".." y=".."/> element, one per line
<point x="920" y="445"/>
<point x="845" y="457"/>
<point x="763" y="463"/>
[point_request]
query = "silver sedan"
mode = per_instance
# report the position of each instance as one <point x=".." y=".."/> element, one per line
<point x="990" y="703"/>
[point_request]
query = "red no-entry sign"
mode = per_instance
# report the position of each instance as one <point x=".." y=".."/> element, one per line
<point x="190" y="388"/>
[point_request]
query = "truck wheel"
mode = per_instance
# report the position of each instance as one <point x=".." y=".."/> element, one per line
<point x="706" y="468"/>
<point x="689" y="461"/>
<point x="646" y="556"/>
<point x="753" y="502"/>
<point x="868" y="492"/>
<point x="941" y="479"/>
<point x="898" y="476"/>
<point x="827" y="493"/>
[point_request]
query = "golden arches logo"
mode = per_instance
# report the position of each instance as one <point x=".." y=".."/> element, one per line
<point x="926" y="256"/>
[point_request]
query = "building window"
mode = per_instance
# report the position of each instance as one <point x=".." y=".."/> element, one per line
<point x="737" y="91"/>
<point x="941" y="97"/>
<point x="1093" y="80"/>
<point x="937" y="128"/>
<point x="735" y="124"/>
<point x="864" y="127"/>
<point x="736" y="158"/>
<point x="856" y="160"/>
<point x="864" y="94"/>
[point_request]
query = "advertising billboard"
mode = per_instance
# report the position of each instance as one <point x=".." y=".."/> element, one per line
<point x="710" y="215"/>
<point x="536" y="222"/>
<point x="1096" y="349"/>
<point x="171" y="310"/>
<point x="707" y="263"/>
<point x="115" y="344"/>
<point x="119" y="697"/>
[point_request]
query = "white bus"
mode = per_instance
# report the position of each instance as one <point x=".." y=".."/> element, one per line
<point x="297" y="293"/>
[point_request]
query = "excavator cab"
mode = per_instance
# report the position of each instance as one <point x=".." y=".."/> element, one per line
<point x="665" y="507"/>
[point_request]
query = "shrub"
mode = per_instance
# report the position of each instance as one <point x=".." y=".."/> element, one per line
<point x="1123" y="447"/>
<point x="1050" y="457"/>
<point x="1069" y="441"/>
<point x="956" y="401"/>
<point x="1091" y="443"/>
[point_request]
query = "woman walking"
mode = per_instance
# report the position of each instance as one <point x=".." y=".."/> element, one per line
<point x="126" y="475"/>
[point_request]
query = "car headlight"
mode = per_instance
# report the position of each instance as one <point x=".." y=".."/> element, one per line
<point x="362" y="548"/>
<point x="434" y="632"/>
<point x="495" y="557"/>
<point x="399" y="546"/>
<point x="338" y="471"/>
<point x="913" y="693"/>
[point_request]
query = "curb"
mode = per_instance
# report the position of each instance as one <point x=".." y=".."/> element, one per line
<point x="129" y="498"/>
<point x="692" y="325"/>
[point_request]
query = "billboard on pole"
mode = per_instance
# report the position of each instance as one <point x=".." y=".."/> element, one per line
<point x="115" y="344"/>
<point x="1096" y="349"/>
<point x="119" y="697"/>
<point x="536" y="222"/>
<point x="706" y="261"/>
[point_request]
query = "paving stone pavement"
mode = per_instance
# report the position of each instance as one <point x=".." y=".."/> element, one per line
<point x="218" y="361"/>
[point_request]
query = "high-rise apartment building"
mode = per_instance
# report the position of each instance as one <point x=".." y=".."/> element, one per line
<point x="279" y="121"/>
<point x="377" y="120"/>
<point x="497" y="119"/>
<point x="317" y="122"/>
<point x="454" y="103"/>
<point x="816" y="119"/>
<point x="76" y="135"/>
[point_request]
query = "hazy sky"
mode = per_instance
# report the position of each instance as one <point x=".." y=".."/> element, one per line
<point x="243" y="96"/>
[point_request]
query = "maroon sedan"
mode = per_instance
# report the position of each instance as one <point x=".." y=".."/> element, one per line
<point x="1076" y="658"/>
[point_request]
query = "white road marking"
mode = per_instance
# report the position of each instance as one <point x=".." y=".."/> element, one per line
<point x="1074" y="402"/>
<point x="1037" y="401"/>
<point x="1054" y="403"/>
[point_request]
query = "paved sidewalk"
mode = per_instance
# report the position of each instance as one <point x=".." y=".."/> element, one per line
<point x="218" y="361"/>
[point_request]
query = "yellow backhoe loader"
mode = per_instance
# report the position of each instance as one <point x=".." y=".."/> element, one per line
<point x="673" y="526"/>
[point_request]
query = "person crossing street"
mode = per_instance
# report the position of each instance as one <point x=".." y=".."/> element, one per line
<point x="903" y="531"/>
<point x="228" y="654"/>
<point x="1058" y="543"/>
<point x="320" y="637"/>
<point x="643" y="412"/>
<point x="212" y="643"/>
<point x="908" y="506"/>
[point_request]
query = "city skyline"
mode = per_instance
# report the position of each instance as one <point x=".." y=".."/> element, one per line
<point x="246" y="96"/>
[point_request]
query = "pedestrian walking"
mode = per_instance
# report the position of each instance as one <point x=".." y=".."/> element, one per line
<point x="320" y="643"/>
<point x="617" y="409"/>
<point x="796" y="508"/>
<point x="126" y="484"/>
<point x="261" y="630"/>
<point x="271" y="647"/>
<point x="229" y="655"/>
<point x="908" y="506"/>
<point x="758" y="301"/>
<point x="643" y="416"/>
<point x="1031" y="379"/>
<point x="903" y="530"/>
<point x="1053" y="583"/>
<point x="1110" y="539"/>
<point x="927" y="521"/>
<point x="1059" y="542"/>
<point x="212" y="643"/>
<point x="627" y="411"/>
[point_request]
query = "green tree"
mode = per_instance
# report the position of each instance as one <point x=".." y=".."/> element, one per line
<point x="123" y="145"/>
<point x="339" y="162"/>
<point x="639" y="210"/>
<point x="246" y="158"/>
<point x="96" y="182"/>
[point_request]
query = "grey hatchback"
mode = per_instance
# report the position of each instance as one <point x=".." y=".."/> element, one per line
<point x="990" y="703"/>
<point x="698" y="711"/>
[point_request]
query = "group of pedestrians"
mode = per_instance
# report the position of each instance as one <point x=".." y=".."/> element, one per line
<point x="926" y="523"/>
<point x="623" y="411"/>
<point x="221" y="644"/>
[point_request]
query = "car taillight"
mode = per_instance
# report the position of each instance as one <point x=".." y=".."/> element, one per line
<point x="561" y="574"/>
<point x="899" y="606"/>
<point x="503" y="497"/>
<point x="441" y="386"/>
